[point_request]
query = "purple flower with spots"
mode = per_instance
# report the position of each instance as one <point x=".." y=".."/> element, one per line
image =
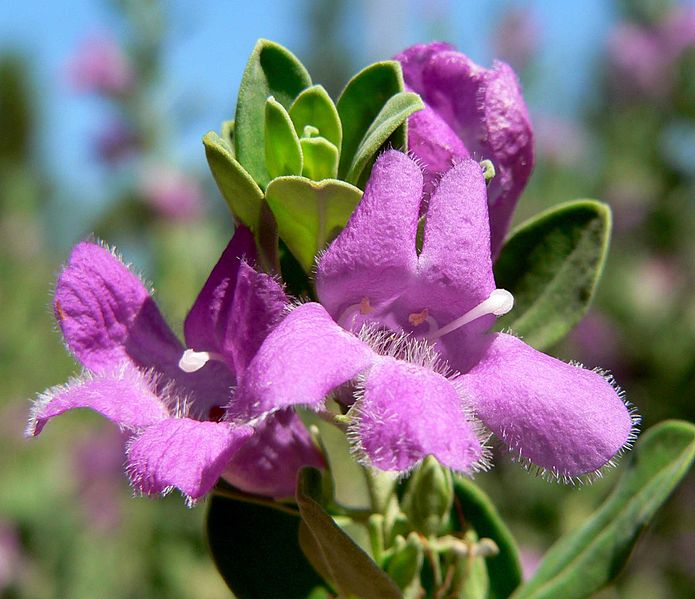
<point x="171" y="399"/>
<point x="401" y="337"/>
<point x="469" y="111"/>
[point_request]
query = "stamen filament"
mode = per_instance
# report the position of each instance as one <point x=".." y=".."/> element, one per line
<point x="500" y="302"/>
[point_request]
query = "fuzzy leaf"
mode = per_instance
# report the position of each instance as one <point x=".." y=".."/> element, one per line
<point x="314" y="108"/>
<point x="361" y="102"/>
<point x="587" y="559"/>
<point x="283" y="154"/>
<point x="332" y="552"/>
<point x="320" y="158"/>
<point x="394" y="114"/>
<point x="504" y="569"/>
<point x="243" y="196"/>
<point x="310" y="215"/>
<point x="256" y="550"/>
<point x="552" y="265"/>
<point x="271" y="71"/>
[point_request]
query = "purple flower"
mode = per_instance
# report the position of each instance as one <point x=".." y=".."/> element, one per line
<point x="470" y="111"/>
<point x="100" y="66"/>
<point x="171" y="193"/>
<point x="115" y="143"/>
<point x="408" y="330"/>
<point x="516" y="37"/>
<point x="139" y="376"/>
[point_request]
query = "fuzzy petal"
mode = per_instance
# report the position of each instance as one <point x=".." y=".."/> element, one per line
<point x="107" y="315"/>
<point x="205" y="324"/>
<point x="407" y="413"/>
<point x="486" y="110"/>
<point x="302" y="360"/>
<point x="122" y="395"/>
<point x="183" y="453"/>
<point x="563" y="418"/>
<point x="375" y="255"/>
<point x="267" y="464"/>
<point x="435" y="144"/>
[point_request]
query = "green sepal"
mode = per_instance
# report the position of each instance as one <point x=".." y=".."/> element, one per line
<point x="393" y="115"/>
<point x="271" y="71"/>
<point x="310" y="214"/>
<point x="428" y="497"/>
<point x="283" y="154"/>
<point x="405" y="565"/>
<point x="256" y="550"/>
<point x="239" y="190"/>
<point x="314" y="108"/>
<point x="552" y="265"/>
<point x="477" y="509"/>
<point x="320" y="158"/>
<point x="332" y="552"/>
<point x="587" y="559"/>
<point x="361" y="102"/>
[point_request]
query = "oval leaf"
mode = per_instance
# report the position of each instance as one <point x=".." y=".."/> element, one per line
<point x="394" y="114"/>
<point x="256" y="550"/>
<point x="243" y="196"/>
<point x="332" y="552"/>
<point x="552" y="264"/>
<point x="320" y="158"/>
<point x="360" y="103"/>
<point x="585" y="560"/>
<point x="283" y="154"/>
<point x="271" y="71"/>
<point x="314" y="108"/>
<point x="310" y="215"/>
<point x="504" y="569"/>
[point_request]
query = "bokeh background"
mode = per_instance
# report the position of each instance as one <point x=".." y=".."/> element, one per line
<point x="102" y="108"/>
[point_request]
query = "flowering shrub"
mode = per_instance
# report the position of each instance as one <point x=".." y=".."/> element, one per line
<point x="343" y="374"/>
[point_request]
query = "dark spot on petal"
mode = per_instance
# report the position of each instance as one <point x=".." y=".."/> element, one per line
<point x="216" y="414"/>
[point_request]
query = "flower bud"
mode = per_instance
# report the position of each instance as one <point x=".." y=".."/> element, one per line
<point x="429" y="497"/>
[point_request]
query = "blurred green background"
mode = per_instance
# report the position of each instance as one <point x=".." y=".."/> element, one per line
<point x="100" y="120"/>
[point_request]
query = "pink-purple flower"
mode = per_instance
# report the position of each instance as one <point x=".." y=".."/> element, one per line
<point x="401" y="338"/>
<point x="171" y="399"/>
<point x="100" y="66"/>
<point x="470" y="111"/>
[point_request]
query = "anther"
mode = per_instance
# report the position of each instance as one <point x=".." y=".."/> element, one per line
<point x="417" y="318"/>
<point x="192" y="361"/>
<point x="500" y="302"/>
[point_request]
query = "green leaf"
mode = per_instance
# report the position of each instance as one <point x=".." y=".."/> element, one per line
<point x="320" y="158"/>
<point x="227" y="134"/>
<point x="504" y="569"/>
<point x="314" y="108"/>
<point x="335" y="555"/>
<point x="243" y="196"/>
<point x="283" y="154"/>
<point x="361" y="102"/>
<point x="405" y="566"/>
<point x="587" y="559"/>
<point x="271" y="71"/>
<point x="256" y="550"/>
<point x="310" y="214"/>
<point x="552" y="264"/>
<point x="394" y="114"/>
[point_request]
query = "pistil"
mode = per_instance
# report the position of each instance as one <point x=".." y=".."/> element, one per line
<point x="192" y="361"/>
<point x="500" y="302"/>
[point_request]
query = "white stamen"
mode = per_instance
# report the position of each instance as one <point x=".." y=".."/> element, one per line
<point x="192" y="361"/>
<point x="500" y="302"/>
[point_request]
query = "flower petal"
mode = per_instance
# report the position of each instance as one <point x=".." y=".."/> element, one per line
<point x="207" y="319"/>
<point x="123" y="395"/>
<point x="107" y="315"/>
<point x="435" y="144"/>
<point x="563" y="418"/>
<point x="406" y="413"/>
<point x="302" y="360"/>
<point x="267" y="464"/>
<point x="375" y="256"/>
<point x="183" y="453"/>
<point x="485" y="108"/>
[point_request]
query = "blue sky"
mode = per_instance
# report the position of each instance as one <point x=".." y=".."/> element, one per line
<point x="209" y="42"/>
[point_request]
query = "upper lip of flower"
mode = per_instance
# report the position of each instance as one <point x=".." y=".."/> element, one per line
<point x="566" y="420"/>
